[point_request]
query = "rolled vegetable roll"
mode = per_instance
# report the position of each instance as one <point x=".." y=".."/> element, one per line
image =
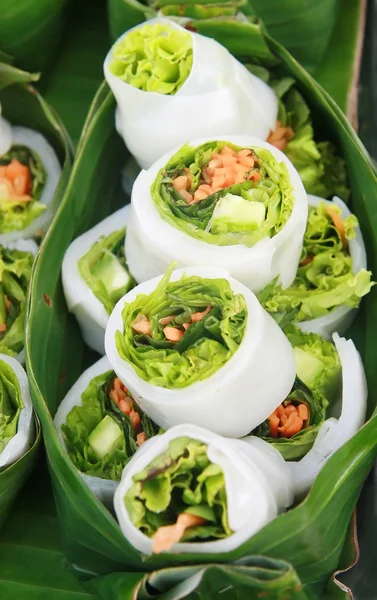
<point x="186" y="343"/>
<point x="236" y="203"/>
<point x="190" y="490"/>
<point x="101" y="427"/>
<point x="16" y="261"/>
<point x="29" y="175"/>
<point x="95" y="276"/>
<point x="332" y="276"/>
<point x="294" y="425"/>
<point x="345" y="422"/>
<point x="172" y="85"/>
<point x="16" y="412"/>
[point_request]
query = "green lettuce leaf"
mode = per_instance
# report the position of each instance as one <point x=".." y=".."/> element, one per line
<point x="17" y="215"/>
<point x="325" y="279"/>
<point x="322" y="170"/>
<point x="104" y="269"/>
<point x="15" y="273"/>
<point x="317" y="386"/>
<point x="10" y="404"/>
<point x="230" y="215"/>
<point x="202" y="349"/>
<point x="153" y="58"/>
<point x="96" y="405"/>
<point x="180" y="480"/>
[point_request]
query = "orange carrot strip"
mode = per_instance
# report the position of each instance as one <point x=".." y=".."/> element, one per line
<point x="173" y="334"/>
<point x="141" y="438"/>
<point x="307" y="260"/>
<point x="303" y="412"/>
<point x="338" y="223"/>
<point x="142" y="325"/>
<point x="274" y="422"/>
<point x="198" y="316"/>
<point x="165" y="537"/>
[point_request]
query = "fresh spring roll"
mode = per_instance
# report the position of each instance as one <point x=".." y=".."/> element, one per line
<point x="195" y="346"/>
<point x="332" y="276"/>
<point x="16" y="262"/>
<point x="95" y="276"/>
<point x="101" y="427"/>
<point x="16" y="412"/>
<point x="237" y="203"/>
<point x="172" y="85"/>
<point x="348" y="417"/>
<point x="29" y="175"/>
<point x="190" y="490"/>
<point x="293" y="426"/>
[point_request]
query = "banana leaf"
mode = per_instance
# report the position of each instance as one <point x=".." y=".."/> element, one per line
<point x="71" y="84"/>
<point x="32" y="564"/>
<point x="310" y="537"/>
<point x="30" y="30"/>
<point x="22" y="105"/>
<point x="325" y="36"/>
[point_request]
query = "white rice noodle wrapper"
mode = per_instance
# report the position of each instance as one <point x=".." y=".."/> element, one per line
<point x="235" y="399"/>
<point x="88" y="310"/>
<point x="23" y="246"/>
<point x="103" y="488"/>
<point x="153" y="243"/>
<point x="220" y="96"/>
<point x="341" y="317"/>
<point x="20" y="442"/>
<point x="5" y="135"/>
<point x="335" y="432"/>
<point x="36" y="142"/>
<point x="253" y="497"/>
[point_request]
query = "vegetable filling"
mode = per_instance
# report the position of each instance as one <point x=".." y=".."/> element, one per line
<point x="15" y="273"/>
<point x="104" y="432"/>
<point x="153" y="58"/>
<point x="224" y="194"/>
<point x="22" y="179"/>
<point x="325" y="277"/>
<point x="179" y="496"/>
<point x="293" y="427"/>
<point x="183" y="331"/>
<point x="10" y="404"/>
<point x="104" y="269"/>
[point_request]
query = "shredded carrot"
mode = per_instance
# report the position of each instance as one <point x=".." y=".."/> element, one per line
<point x="166" y="320"/>
<point x="280" y="136"/>
<point x="135" y="420"/>
<point x="141" y="438"/>
<point x="173" y="334"/>
<point x="142" y="325"/>
<point x="288" y="419"/>
<point x="165" y="537"/>
<point x="198" y="316"/>
<point x="8" y="303"/>
<point x="225" y="168"/>
<point x="307" y="260"/>
<point x="3" y="327"/>
<point x="338" y="224"/>
<point x="16" y="179"/>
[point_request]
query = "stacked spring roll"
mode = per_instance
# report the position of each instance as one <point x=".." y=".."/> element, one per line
<point x="95" y="276"/>
<point x="165" y="79"/>
<point x="185" y="343"/>
<point x="101" y="426"/>
<point x="29" y="175"/>
<point x="332" y="276"/>
<point x="237" y="202"/>
<point x="16" y="412"/>
<point x="190" y="490"/>
<point x="327" y="377"/>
